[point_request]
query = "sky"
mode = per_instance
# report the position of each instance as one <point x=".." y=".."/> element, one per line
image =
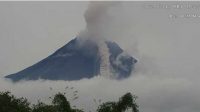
<point x="161" y="35"/>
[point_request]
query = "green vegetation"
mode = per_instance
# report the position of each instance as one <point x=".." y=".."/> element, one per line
<point x="125" y="102"/>
<point x="9" y="103"/>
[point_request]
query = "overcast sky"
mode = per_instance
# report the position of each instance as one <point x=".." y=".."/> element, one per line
<point x="167" y="48"/>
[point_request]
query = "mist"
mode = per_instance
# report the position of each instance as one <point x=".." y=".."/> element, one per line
<point x="154" y="94"/>
<point x="166" y="76"/>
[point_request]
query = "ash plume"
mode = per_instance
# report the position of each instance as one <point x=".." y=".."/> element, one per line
<point x="97" y="19"/>
<point x="103" y="23"/>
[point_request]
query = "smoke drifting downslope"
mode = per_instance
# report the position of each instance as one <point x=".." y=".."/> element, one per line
<point x="105" y="62"/>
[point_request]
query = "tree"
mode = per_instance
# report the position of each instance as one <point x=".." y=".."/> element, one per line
<point x="42" y="107"/>
<point x="9" y="103"/>
<point x="107" y="107"/>
<point x="125" y="102"/>
<point x="61" y="103"/>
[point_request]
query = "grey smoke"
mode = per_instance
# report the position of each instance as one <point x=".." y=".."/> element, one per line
<point x="99" y="24"/>
<point x="98" y="19"/>
<point x="119" y="63"/>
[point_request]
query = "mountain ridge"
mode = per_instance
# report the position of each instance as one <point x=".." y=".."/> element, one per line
<point x="75" y="61"/>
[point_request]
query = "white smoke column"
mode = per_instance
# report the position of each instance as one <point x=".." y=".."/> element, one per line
<point x="97" y="19"/>
<point x="105" y="63"/>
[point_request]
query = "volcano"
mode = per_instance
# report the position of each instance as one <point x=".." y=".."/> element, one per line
<point x="76" y="61"/>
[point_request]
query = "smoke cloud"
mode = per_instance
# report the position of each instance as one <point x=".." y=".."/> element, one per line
<point x="98" y="19"/>
<point x="99" y="26"/>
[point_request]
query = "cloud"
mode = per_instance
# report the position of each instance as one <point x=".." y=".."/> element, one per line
<point x="154" y="94"/>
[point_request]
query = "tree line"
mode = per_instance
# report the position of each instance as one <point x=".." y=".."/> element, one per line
<point x="59" y="103"/>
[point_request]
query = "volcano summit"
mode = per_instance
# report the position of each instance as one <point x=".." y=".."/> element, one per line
<point x="76" y="61"/>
